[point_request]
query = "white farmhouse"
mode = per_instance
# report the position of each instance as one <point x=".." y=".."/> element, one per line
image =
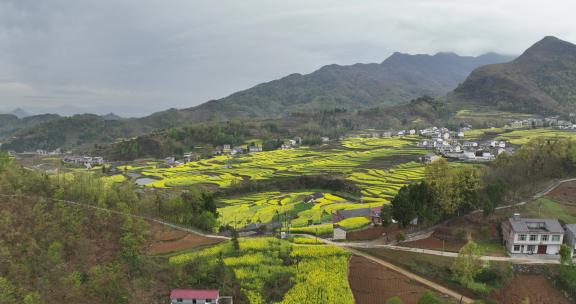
<point x="532" y="236"/>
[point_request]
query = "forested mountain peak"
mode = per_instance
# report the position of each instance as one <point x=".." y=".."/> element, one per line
<point x="542" y="80"/>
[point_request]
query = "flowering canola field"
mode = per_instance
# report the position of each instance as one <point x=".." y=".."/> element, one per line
<point x="318" y="272"/>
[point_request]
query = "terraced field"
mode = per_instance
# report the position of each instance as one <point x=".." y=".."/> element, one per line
<point x="355" y="158"/>
<point x="380" y="186"/>
<point x="223" y="171"/>
<point x="520" y="137"/>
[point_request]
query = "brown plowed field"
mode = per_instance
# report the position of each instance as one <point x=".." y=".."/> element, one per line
<point x="534" y="287"/>
<point x="565" y="193"/>
<point x="372" y="283"/>
<point x="167" y="240"/>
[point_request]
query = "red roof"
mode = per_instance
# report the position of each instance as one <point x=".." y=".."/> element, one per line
<point x="194" y="294"/>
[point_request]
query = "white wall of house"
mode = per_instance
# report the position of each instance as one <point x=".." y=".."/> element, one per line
<point x="527" y="243"/>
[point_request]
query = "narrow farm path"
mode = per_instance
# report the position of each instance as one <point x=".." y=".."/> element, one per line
<point x="439" y="288"/>
<point x="173" y="226"/>
<point x="537" y="195"/>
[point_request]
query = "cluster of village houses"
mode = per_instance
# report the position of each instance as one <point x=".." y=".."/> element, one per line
<point x="453" y="145"/>
<point x="87" y="161"/>
<point x="543" y="122"/>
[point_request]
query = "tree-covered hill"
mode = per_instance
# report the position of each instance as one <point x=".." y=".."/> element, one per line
<point x="542" y="80"/>
<point x="398" y="79"/>
<point x="10" y="123"/>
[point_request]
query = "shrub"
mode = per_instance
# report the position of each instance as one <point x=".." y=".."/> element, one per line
<point x="430" y="298"/>
<point x="394" y="300"/>
<point x="400" y="237"/>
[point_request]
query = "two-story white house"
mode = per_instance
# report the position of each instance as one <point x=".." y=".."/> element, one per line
<point x="571" y="237"/>
<point x="532" y="236"/>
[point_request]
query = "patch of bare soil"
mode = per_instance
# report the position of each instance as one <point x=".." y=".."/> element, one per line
<point x="372" y="283"/>
<point x="565" y="193"/>
<point x="536" y="288"/>
<point x="167" y="240"/>
<point x="435" y="243"/>
<point x="366" y="234"/>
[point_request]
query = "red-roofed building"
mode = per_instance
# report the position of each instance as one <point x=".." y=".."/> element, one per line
<point x="194" y="296"/>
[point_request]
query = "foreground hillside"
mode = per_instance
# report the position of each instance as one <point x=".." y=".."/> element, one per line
<point x="542" y="80"/>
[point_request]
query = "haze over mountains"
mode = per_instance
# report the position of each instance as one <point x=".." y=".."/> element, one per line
<point x="541" y="81"/>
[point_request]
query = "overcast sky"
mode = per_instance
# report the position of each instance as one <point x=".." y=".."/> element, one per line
<point x="133" y="57"/>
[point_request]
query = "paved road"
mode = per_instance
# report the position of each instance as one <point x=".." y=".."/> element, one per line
<point x="515" y="260"/>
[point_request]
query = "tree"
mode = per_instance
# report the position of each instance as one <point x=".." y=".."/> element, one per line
<point x="403" y="207"/>
<point x="430" y="298"/>
<point x="386" y="215"/>
<point x="565" y="255"/>
<point x="492" y="195"/>
<point x="4" y="160"/>
<point x="394" y="300"/>
<point x="235" y="242"/>
<point x="130" y="251"/>
<point x="468" y="263"/>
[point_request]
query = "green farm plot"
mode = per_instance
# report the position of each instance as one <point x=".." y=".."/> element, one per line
<point x="318" y="273"/>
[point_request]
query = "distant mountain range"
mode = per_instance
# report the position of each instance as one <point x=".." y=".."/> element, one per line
<point x="398" y="79"/>
<point x="542" y="81"/>
<point x="10" y="123"/>
<point x="20" y="113"/>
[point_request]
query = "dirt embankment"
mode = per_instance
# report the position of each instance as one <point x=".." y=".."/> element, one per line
<point x="565" y="193"/>
<point x="167" y="240"/>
